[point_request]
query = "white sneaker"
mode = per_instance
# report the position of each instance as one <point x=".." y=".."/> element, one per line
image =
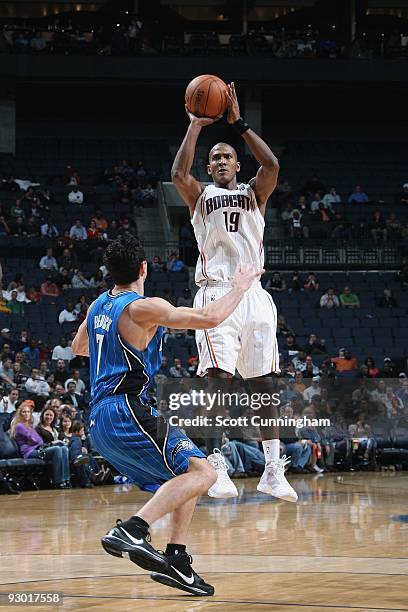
<point x="273" y="481"/>
<point x="223" y="487"/>
<point x="317" y="469"/>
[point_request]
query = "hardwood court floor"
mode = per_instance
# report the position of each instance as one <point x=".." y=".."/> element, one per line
<point x="343" y="546"/>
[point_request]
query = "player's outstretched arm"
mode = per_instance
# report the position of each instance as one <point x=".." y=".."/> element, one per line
<point x="156" y="311"/>
<point x="187" y="186"/>
<point x="265" y="181"/>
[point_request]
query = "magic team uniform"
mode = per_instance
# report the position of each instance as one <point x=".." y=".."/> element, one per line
<point x="229" y="229"/>
<point x="124" y="429"/>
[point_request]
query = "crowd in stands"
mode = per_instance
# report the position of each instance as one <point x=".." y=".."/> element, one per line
<point x="67" y="36"/>
<point x="320" y="212"/>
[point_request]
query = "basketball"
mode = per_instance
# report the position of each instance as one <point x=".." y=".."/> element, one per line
<point x="206" y="96"/>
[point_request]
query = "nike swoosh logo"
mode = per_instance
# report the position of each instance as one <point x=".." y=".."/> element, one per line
<point x="188" y="579"/>
<point x="134" y="540"/>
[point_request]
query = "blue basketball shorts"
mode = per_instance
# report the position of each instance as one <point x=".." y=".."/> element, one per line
<point x="138" y="442"/>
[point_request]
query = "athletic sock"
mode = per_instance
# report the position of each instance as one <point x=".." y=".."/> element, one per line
<point x="271" y="450"/>
<point x="136" y="524"/>
<point x="175" y="549"/>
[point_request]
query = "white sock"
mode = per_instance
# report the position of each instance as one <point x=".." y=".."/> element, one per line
<point x="271" y="450"/>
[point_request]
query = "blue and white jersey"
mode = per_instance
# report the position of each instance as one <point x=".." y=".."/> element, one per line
<point x="116" y="367"/>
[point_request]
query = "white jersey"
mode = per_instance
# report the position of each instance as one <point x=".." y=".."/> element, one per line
<point x="229" y="229"/>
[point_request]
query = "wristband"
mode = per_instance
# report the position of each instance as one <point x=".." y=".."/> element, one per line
<point x="240" y="126"/>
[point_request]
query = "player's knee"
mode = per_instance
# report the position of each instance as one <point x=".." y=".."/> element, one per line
<point x="204" y="473"/>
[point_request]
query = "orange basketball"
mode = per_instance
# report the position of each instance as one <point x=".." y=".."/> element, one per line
<point x="206" y="96"/>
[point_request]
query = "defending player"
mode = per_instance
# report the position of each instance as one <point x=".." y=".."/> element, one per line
<point x="122" y="336"/>
<point x="228" y="222"/>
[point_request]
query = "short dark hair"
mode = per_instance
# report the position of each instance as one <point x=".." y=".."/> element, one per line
<point x="123" y="258"/>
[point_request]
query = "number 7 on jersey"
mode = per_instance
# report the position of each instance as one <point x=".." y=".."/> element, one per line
<point x="99" y="340"/>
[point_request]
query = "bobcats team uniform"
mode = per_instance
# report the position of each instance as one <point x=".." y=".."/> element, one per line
<point x="124" y="429"/>
<point x="229" y="229"/>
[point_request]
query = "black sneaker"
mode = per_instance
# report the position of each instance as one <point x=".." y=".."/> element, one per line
<point x="119" y="543"/>
<point x="183" y="576"/>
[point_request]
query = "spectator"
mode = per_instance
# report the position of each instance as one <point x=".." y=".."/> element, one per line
<point x="72" y="397"/>
<point x="389" y="369"/>
<point x="100" y="221"/>
<point x="49" y="229"/>
<point x="290" y="345"/>
<point x="299" y="384"/>
<point x="348" y="299"/>
<point x="373" y="372"/>
<point x="79" y="281"/>
<point x="76" y="196"/>
<point x="177" y="370"/>
<point x="76" y="378"/>
<point x="113" y="230"/>
<point x="92" y="232"/>
<point x="67" y="259"/>
<point x="62" y="351"/>
<point x="295" y="283"/>
<point x="313" y="390"/>
<point x="48" y="262"/>
<point x="48" y="287"/>
<point x="185" y="299"/>
<point x="315" y="203"/>
<point x="275" y="283"/>
<point x="32" y="352"/>
<point x="283" y="326"/>
<point x="15" y="306"/>
<point x="61" y="374"/>
<point x="378" y="228"/>
<point x="31" y="445"/>
<point x="33" y="295"/>
<point x="331" y="198"/>
<point x="68" y="314"/>
<point x="78" y="231"/>
<point x="313" y="346"/>
<point x="36" y="386"/>
<point x="9" y="402"/>
<point x="358" y="196"/>
<point x="175" y="264"/>
<point x="387" y="300"/>
<point x="345" y="362"/>
<point x="7" y="372"/>
<point x="312" y="282"/>
<point x="329" y="299"/>
<point x="290" y="394"/>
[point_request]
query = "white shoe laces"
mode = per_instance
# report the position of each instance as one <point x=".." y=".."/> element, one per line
<point x="278" y="466"/>
<point x="219" y="464"/>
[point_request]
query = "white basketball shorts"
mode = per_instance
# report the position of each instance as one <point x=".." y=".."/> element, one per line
<point x="246" y="340"/>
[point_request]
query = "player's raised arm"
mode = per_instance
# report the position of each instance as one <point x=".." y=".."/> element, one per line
<point x="265" y="181"/>
<point x="187" y="186"/>
<point x="156" y="311"/>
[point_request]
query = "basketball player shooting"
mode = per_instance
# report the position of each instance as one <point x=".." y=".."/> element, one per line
<point x="122" y="335"/>
<point x="228" y="222"/>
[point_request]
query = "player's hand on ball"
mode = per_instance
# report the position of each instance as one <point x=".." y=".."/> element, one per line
<point x="244" y="276"/>
<point x="201" y="121"/>
<point x="233" y="106"/>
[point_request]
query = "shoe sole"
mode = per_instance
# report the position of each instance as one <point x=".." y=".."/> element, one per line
<point x="268" y="491"/>
<point x="225" y="496"/>
<point x="174" y="584"/>
<point x="140" y="557"/>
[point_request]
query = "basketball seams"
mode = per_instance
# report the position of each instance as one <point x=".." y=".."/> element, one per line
<point x="196" y="110"/>
<point x="201" y="107"/>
